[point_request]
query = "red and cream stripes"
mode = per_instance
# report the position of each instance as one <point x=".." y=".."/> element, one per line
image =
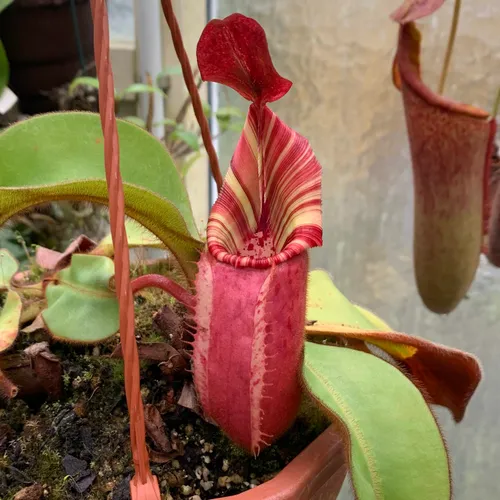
<point x="273" y="187"/>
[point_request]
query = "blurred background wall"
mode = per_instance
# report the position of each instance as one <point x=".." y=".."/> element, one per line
<point x="339" y="55"/>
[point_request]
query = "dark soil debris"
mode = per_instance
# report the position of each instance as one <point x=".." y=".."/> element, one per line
<point x="78" y="446"/>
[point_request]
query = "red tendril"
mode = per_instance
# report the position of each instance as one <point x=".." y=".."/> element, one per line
<point x="193" y="90"/>
<point x="145" y="487"/>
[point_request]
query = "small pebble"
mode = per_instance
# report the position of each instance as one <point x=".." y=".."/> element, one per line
<point x="195" y="497"/>
<point x="225" y="465"/>
<point x="176" y="464"/>
<point x="206" y="459"/>
<point x="186" y="490"/>
<point x="205" y="472"/>
<point x="236" y="479"/>
<point x="223" y="481"/>
<point x="208" y="448"/>
<point x="189" y="430"/>
<point x="198" y="472"/>
<point x="206" y="485"/>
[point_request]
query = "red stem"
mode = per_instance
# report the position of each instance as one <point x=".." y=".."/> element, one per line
<point x="171" y="287"/>
<point x="193" y="90"/>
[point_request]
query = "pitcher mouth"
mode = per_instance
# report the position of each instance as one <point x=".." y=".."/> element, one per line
<point x="406" y="69"/>
<point x="259" y="252"/>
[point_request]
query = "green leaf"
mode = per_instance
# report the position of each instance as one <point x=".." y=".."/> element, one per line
<point x="137" y="236"/>
<point x="393" y="444"/>
<point x="190" y="138"/>
<point x="326" y="304"/>
<point x="142" y="88"/>
<point x="60" y="156"/>
<point x="88" y="81"/>
<point x="4" y="4"/>
<point x="166" y="121"/>
<point x="9" y="320"/>
<point x="8" y="267"/>
<point x="228" y="112"/>
<point x="230" y="118"/>
<point x="4" y="68"/>
<point x="169" y="71"/>
<point x="81" y="305"/>
<point x="207" y="109"/>
<point x="136" y="121"/>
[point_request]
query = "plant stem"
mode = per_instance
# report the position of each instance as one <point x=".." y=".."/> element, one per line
<point x="496" y="104"/>
<point x="451" y="43"/>
<point x="159" y="281"/>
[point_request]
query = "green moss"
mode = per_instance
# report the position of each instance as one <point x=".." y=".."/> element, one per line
<point x="146" y="305"/>
<point x="48" y="470"/>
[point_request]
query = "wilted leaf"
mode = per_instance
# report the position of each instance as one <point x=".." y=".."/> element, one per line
<point x="47" y="368"/>
<point x="60" y="156"/>
<point x="81" y="306"/>
<point x="448" y="376"/>
<point x="161" y="352"/>
<point x="155" y="428"/>
<point x="393" y="444"/>
<point x="9" y="320"/>
<point x="52" y="260"/>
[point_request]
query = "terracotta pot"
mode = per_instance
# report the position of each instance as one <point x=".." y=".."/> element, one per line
<point x="316" y="474"/>
<point x="41" y="45"/>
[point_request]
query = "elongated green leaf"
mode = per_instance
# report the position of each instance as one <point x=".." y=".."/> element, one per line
<point x="167" y="121"/>
<point x="89" y="81"/>
<point x="393" y="444"/>
<point x="81" y="306"/>
<point x="142" y="88"/>
<point x="9" y="320"/>
<point x="137" y="236"/>
<point x="60" y="156"/>
<point x="8" y="267"/>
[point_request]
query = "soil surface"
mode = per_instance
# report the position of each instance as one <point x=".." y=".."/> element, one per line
<point x="78" y="446"/>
